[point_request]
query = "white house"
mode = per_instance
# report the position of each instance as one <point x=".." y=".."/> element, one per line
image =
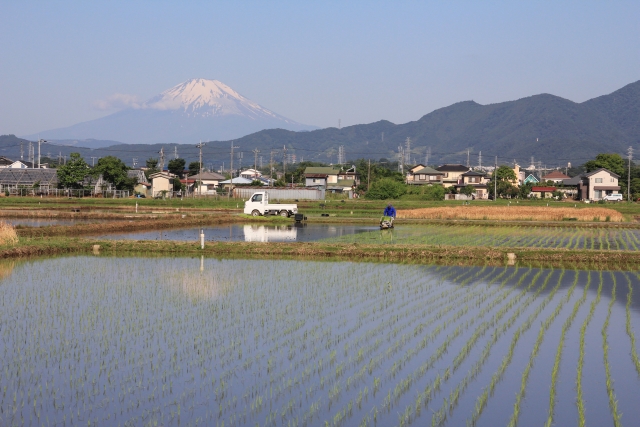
<point x="205" y="182"/>
<point x="161" y="183"/>
<point x="251" y="174"/>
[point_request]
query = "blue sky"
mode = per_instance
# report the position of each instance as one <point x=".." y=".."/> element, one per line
<point x="314" y="62"/>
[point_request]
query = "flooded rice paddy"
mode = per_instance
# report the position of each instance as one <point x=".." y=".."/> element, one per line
<point x="508" y="236"/>
<point x="39" y="222"/>
<point x="250" y="233"/>
<point x="579" y="238"/>
<point x="191" y="341"/>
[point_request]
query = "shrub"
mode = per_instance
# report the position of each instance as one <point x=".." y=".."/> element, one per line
<point x="386" y="188"/>
<point x="434" y="193"/>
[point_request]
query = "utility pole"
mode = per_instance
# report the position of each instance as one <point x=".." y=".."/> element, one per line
<point x="21" y="151"/>
<point x="175" y="152"/>
<point x="271" y="166"/>
<point x="495" y="181"/>
<point x="200" y="145"/>
<point x="480" y="160"/>
<point x="369" y="176"/>
<point x="231" y="184"/>
<point x="284" y="159"/>
<point x="467" y="157"/>
<point x="93" y="161"/>
<point x="255" y="158"/>
<point x="161" y="152"/>
<point x="39" y="142"/>
<point x="630" y="152"/>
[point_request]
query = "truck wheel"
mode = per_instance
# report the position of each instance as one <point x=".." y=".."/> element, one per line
<point x="284" y="214"/>
<point x="255" y="213"/>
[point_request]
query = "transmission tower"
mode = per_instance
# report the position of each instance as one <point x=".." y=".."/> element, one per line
<point x="161" y="162"/>
<point x="407" y="153"/>
<point x="479" y="159"/>
<point x="341" y="159"/>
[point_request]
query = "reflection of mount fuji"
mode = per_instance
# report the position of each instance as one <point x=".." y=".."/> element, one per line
<point x="197" y="109"/>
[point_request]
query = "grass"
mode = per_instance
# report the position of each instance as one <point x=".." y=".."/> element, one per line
<point x="513" y="213"/>
<point x="8" y="235"/>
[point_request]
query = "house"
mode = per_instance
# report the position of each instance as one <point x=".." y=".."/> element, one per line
<point x="4" y="162"/>
<point x="143" y="188"/>
<point x="235" y="182"/>
<point x="161" y="183"/>
<point x="426" y="175"/>
<point x="451" y="174"/>
<point x="251" y="174"/>
<point x="477" y="180"/>
<point x="555" y="176"/>
<point x="320" y="176"/>
<point x="542" y="192"/>
<point x="594" y="185"/>
<point x="532" y="179"/>
<point x="204" y="182"/>
<point x="411" y="171"/>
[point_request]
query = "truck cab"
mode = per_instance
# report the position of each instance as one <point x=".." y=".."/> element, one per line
<point x="259" y="204"/>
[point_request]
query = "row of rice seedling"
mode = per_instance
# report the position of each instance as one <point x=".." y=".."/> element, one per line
<point x="613" y="403"/>
<point x="629" y="329"/>
<point x="578" y="238"/>
<point x="126" y="341"/>
<point x="561" y="343"/>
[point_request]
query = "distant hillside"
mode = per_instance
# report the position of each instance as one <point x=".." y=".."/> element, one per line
<point x="566" y="132"/>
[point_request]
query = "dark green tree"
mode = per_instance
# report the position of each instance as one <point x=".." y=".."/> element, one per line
<point x="506" y="178"/>
<point x="72" y="174"/>
<point x="610" y="161"/>
<point x="434" y="193"/>
<point x="114" y="171"/>
<point x="468" y="190"/>
<point x="194" y="168"/>
<point x="176" y="166"/>
<point x="387" y="188"/>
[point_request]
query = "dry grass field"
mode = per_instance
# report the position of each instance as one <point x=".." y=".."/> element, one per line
<point x="8" y="234"/>
<point x="513" y="213"/>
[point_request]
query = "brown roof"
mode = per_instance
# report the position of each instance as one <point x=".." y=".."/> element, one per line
<point x="543" y="189"/>
<point x="606" y="187"/>
<point x="555" y="175"/>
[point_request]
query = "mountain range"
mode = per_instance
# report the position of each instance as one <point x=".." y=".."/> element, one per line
<point x="548" y="128"/>
<point x="197" y="109"/>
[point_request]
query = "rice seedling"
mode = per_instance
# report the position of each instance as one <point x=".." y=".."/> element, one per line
<point x="613" y="403"/>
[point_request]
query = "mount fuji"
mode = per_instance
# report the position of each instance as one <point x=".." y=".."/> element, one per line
<point x="198" y="109"/>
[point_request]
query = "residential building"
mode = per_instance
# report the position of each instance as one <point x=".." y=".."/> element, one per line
<point x="161" y="183"/>
<point x="555" y="176"/>
<point x="320" y="176"/>
<point x="412" y="170"/>
<point x="451" y="174"/>
<point x="204" y="183"/>
<point x="542" y="192"/>
<point x="426" y="175"/>
<point x="594" y="185"/>
<point x="477" y="180"/>
<point x="235" y="182"/>
<point x="532" y="178"/>
<point x="251" y="174"/>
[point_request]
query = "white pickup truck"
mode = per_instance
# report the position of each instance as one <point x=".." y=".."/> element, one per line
<point x="258" y="204"/>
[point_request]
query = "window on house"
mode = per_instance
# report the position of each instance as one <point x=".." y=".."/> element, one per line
<point x="598" y="180"/>
<point x="446" y="175"/>
<point x="433" y="178"/>
<point x="612" y="180"/>
<point x="422" y="177"/>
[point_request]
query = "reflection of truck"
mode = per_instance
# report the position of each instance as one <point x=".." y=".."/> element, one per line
<point x="258" y="204"/>
<point x="255" y="233"/>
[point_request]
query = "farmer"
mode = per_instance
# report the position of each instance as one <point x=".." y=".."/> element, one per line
<point x="389" y="211"/>
<point x="388" y="215"/>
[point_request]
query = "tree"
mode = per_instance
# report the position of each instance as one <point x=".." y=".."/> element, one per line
<point x="386" y="188"/>
<point x="468" y="190"/>
<point x="434" y="192"/>
<point x="256" y="183"/>
<point x="114" y="171"/>
<point x="505" y="179"/>
<point x="610" y="161"/>
<point x="176" y="166"/>
<point x="194" y="168"/>
<point x="152" y="166"/>
<point x="72" y="174"/>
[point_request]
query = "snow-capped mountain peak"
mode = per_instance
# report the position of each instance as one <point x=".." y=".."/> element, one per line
<point x="203" y="97"/>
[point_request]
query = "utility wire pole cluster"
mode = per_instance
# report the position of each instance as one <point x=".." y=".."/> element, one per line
<point x="630" y="153"/>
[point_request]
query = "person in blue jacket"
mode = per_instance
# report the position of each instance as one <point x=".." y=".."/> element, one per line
<point x="389" y="211"/>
